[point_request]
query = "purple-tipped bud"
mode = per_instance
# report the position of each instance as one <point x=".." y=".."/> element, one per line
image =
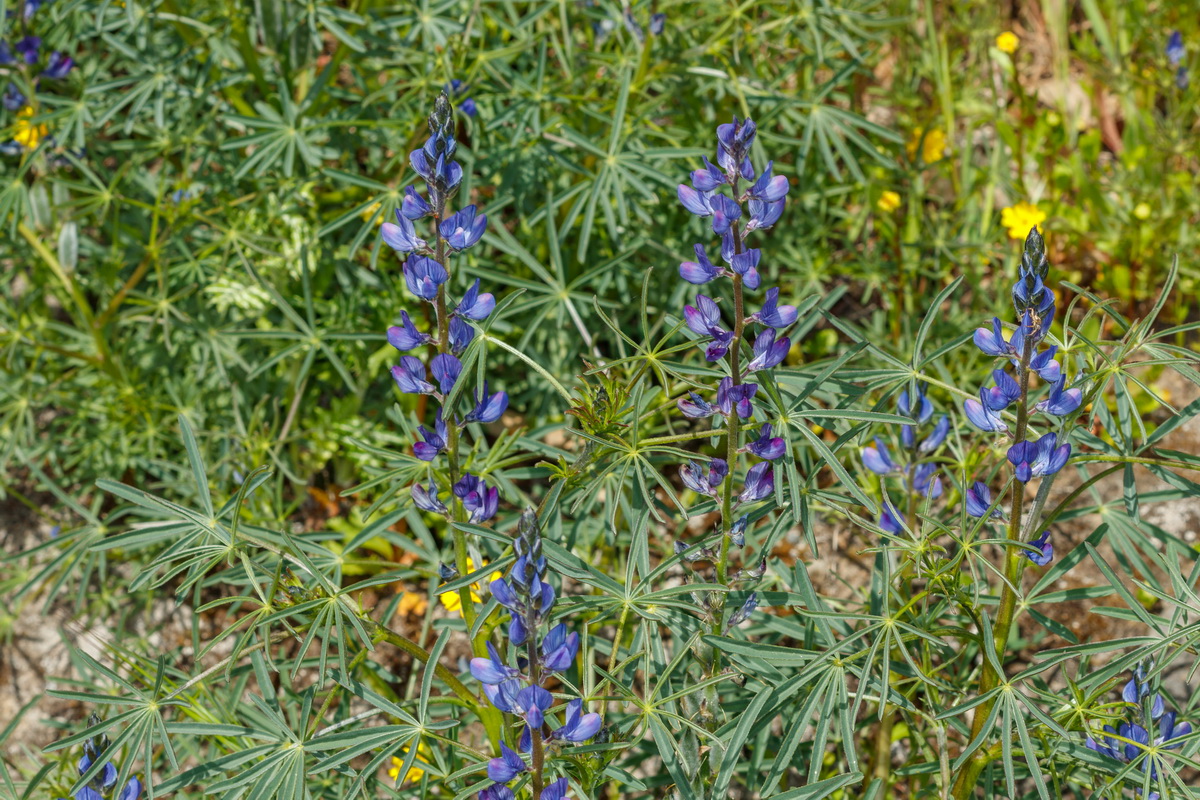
<point x="1044" y="550"/>
<point x="427" y="500"/>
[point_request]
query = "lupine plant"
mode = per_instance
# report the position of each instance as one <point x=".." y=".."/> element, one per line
<point x="807" y="559"/>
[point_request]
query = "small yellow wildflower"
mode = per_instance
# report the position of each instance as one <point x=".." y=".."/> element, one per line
<point x="1021" y="218"/>
<point x="413" y="605"/>
<point x="888" y="202"/>
<point x="932" y="145"/>
<point x="1142" y="211"/>
<point x="370" y="211"/>
<point x="1008" y="42"/>
<point x="452" y="602"/>
<point x="27" y="134"/>
<point x="414" y="772"/>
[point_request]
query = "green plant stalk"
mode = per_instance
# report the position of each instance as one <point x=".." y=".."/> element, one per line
<point x="988" y="680"/>
<point x="731" y="442"/>
<point x="538" y="755"/>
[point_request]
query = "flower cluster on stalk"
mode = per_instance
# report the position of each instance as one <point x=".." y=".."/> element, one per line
<point x="739" y="200"/>
<point x="520" y="689"/>
<point x="1024" y="352"/>
<point x="102" y="784"/>
<point x="23" y="57"/>
<point x="1148" y="725"/>
<point x="427" y="275"/>
<point x="918" y="475"/>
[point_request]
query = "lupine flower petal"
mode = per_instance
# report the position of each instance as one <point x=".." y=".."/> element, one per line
<point x="695" y="407"/>
<point x="423" y="277"/>
<point x="488" y="408"/>
<point x="773" y="315"/>
<point x="992" y="341"/>
<point x="463" y="229"/>
<point x="981" y="416"/>
<point x="769" y="352"/>
<point x="409" y="375"/>
<point x="558" y="789"/>
<point x="406" y="336"/>
<point x="427" y="501"/>
<point x="1061" y="402"/>
<point x="1045" y="550"/>
<point x="474" y="305"/>
<point x="402" y="237"/>
<point x="413" y="206"/>
<point x="709" y="178"/>
<point x="978" y="499"/>
<point x="725" y="211"/>
<point x="766" y="446"/>
<point x="699" y="203"/>
<point x="445" y="369"/>
<point x="701" y="270"/>
<point x="760" y="483"/>
<point x="878" y="459"/>
<point x="508" y="766"/>
<point x="763" y="215"/>
<point x="935" y="439"/>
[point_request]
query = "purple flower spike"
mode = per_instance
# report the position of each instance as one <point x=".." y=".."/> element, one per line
<point x="699" y="203"/>
<point x="878" y="459"/>
<point x="695" y="407"/>
<point x="435" y="440"/>
<point x="427" y="500"/>
<point x="701" y="270"/>
<point x="725" y="212"/>
<point x="709" y="178"/>
<point x="1045" y="550"/>
<point x="463" y="229"/>
<point x="766" y="446"/>
<point x="446" y="369"/>
<point x="474" y="305"/>
<point x="409" y="375"/>
<point x="774" y="315"/>
<point x="981" y="416"/>
<point x="760" y="483"/>
<point x="488" y="409"/>
<point x="402" y="237"/>
<point x="578" y="727"/>
<point x="508" y="766"/>
<point x="769" y="352"/>
<point x="492" y="670"/>
<point x="406" y="336"/>
<point x="423" y="276"/>
<point x="732" y="398"/>
<point x="414" y="207"/>
<point x="768" y="189"/>
<point x="978" y="499"/>
<point x="1060" y="403"/>
<point x="763" y="215"/>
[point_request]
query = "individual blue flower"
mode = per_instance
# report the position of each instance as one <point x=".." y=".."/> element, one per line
<point x="1175" y="49"/>
<point x="708" y="178"/>
<point x="578" y="727"/>
<point x="737" y="531"/>
<point x="763" y="215"/>
<point x="1036" y="459"/>
<point x="58" y="65"/>
<point x="480" y="500"/>
<point x="492" y="669"/>
<point x="695" y="407"/>
<point x="878" y="459"/>
<point x="488" y="408"/>
<point x="423" y="277"/>
<point x="559" y="648"/>
<point x="1061" y="402"/>
<point x="694" y="477"/>
<point x="503" y="695"/>
<point x="769" y="189"/>
<point x="925" y="483"/>
<point x="105" y="779"/>
<point x="28" y="48"/>
<point x="772" y="314"/>
<point x="760" y="483"/>
<point x="701" y="270"/>
<point x="558" y="789"/>
<point x="461" y="334"/>
<point x="697" y="202"/>
<point x="463" y="229"/>
<point x="746" y="265"/>
<point x="531" y="705"/>
<point x="981" y="416"/>
<point x="427" y="500"/>
<point x="769" y="352"/>
<point x="731" y="399"/>
<point x="725" y="212"/>
<point x="1044" y="550"/>
<point x="734" y="141"/>
<point x="743" y="612"/>
<point x="405" y="336"/>
<point x="508" y="766"/>
<point x="657" y="21"/>
<point x="435" y="440"/>
<point x="474" y="305"/>
<point x="889" y="519"/>
<point x="978" y="499"/>
<point x="446" y="369"/>
<point x="1045" y="365"/>
<point x="936" y="437"/>
<point x="409" y="375"/>
<point x="497" y="791"/>
<point x="13" y="99"/>
<point x="437" y="172"/>
<point x="414" y="207"/>
<point x="766" y="446"/>
<point x="923" y="410"/>
<point x="704" y="319"/>
<point x="402" y="236"/>
<point x="1006" y="391"/>
<point x="992" y="341"/>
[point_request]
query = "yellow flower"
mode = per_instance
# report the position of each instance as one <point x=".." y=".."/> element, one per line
<point x="1021" y="218"/>
<point x="370" y="211"/>
<point x="932" y="145"/>
<point x="27" y="134"/>
<point x="412" y="605"/>
<point x="888" y="202"/>
<point x="414" y="772"/>
<point x="1007" y="42"/>
<point x="1142" y="211"/>
<point x="452" y="602"/>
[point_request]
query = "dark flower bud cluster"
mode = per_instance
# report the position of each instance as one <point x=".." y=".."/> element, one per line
<point x="101" y="785"/>
<point x="918" y="475"/>
<point x="1023" y="350"/>
<point x="520" y="689"/>
<point x="427" y="276"/>
<point x="1148" y="725"/>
